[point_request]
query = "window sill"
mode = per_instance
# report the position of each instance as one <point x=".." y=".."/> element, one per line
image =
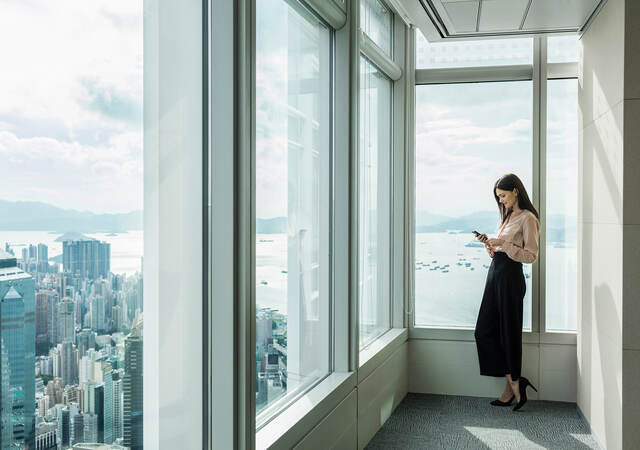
<point x="452" y="334"/>
<point x="292" y="424"/>
<point x="379" y="350"/>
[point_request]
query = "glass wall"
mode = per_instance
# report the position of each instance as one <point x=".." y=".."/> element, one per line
<point x="293" y="208"/>
<point x="467" y="136"/>
<point x="494" y="52"/>
<point x="561" y="49"/>
<point x="374" y="215"/>
<point x="71" y="206"/>
<point x="562" y="205"/>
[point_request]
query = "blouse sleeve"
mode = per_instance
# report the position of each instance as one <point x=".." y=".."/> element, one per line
<point x="529" y="253"/>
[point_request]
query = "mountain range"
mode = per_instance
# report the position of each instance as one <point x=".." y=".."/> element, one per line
<point x="38" y="216"/>
<point x="32" y="216"/>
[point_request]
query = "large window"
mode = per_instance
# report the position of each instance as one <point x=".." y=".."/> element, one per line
<point x="71" y="202"/>
<point x="375" y="202"/>
<point x="293" y="156"/>
<point x="467" y="136"/>
<point x="562" y="205"/>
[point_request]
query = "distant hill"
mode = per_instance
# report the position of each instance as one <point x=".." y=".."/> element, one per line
<point x="275" y="225"/>
<point x="73" y="236"/>
<point x="424" y="218"/>
<point x="482" y="221"/>
<point x="30" y="216"/>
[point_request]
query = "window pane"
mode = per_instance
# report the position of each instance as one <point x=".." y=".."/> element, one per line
<point x="496" y="52"/>
<point x="467" y="136"/>
<point x="292" y="202"/>
<point x="375" y="202"/>
<point x="562" y="49"/>
<point x="375" y="20"/>
<point x="562" y="205"/>
<point x="71" y="266"/>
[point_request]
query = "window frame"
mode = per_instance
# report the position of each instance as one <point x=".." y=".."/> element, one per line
<point x="391" y="67"/>
<point x="292" y="423"/>
<point x="279" y="406"/>
<point x="539" y="72"/>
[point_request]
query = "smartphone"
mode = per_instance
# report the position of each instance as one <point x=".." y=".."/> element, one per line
<point x="476" y="233"/>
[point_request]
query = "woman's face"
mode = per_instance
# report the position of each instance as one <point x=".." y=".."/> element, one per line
<point x="507" y="198"/>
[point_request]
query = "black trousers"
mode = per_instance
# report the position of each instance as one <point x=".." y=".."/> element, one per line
<point x="499" y="326"/>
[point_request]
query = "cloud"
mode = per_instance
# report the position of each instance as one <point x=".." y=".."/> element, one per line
<point x="106" y="178"/>
<point x="70" y="115"/>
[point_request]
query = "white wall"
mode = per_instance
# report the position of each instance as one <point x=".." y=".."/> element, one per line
<point x="172" y="224"/>
<point x="608" y="343"/>
<point x="451" y="367"/>
<point x="381" y="387"/>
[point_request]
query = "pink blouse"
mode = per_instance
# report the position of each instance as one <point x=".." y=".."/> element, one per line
<point x="520" y="235"/>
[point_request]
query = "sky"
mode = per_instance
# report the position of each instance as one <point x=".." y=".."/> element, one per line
<point x="469" y="135"/>
<point x="71" y="111"/>
<point x="71" y="108"/>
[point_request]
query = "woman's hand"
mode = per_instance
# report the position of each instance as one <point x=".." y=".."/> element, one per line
<point x="494" y="242"/>
<point x="482" y="237"/>
<point x="489" y="250"/>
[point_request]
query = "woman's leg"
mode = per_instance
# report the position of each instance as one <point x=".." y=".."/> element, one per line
<point x="514" y="386"/>
<point x="507" y="393"/>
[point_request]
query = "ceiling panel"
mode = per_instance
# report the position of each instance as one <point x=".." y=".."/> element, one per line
<point x="463" y="15"/>
<point x="558" y="14"/>
<point x="442" y="19"/>
<point x="502" y="15"/>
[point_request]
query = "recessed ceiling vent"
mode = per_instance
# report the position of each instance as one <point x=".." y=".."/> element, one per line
<point x="476" y="18"/>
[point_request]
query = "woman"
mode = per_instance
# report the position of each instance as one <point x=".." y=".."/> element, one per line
<point x="499" y="327"/>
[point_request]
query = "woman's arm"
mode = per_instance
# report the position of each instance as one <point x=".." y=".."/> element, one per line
<point x="529" y="253"/>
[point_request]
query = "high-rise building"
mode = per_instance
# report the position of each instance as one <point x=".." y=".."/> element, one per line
<point x="89" y="259"/>
<point x="43" y="253"/>
<point x="113" y="405"/>
<point x="52" y="312"/>
<point x="76" y="433"/>
<point x="65" y="321"/>
<point x="46" y="436"/>
<point x="66" y="362"/>
<point x="33" y="252"/>
<point x="42" y="262"/>
<point x="86" y="340"/>
<point x="132" y="389"/>
<point x="116" y="317"/>
<point x="6" y="401"/>
<point x="42" y="322"/>
<point x="90" y="427"/>
<point x="98" y="316"/>
<point x="18" y="333"/>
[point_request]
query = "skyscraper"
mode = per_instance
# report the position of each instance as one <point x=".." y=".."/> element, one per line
<point x="43" y="253"/>
<point x="6" y="401"/>
<point x="52" y="312"/>
<point x="90" y="259"/>
<point x="112" y="405"/>
<point x="66" y="320"/>
<point x="66" y="363"/>
<point x="132" y="389"/>
<point x="18" y="333"/>
<point x="42" y="322"/>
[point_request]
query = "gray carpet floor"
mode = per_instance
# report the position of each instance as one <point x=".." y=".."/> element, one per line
<point x="425" y="421"/>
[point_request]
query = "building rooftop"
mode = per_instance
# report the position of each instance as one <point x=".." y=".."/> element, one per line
<point x="7" y="260"/>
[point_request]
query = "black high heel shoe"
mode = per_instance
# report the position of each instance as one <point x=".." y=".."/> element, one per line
<point x="498" y="402"/>
<point x="523" y="392"/>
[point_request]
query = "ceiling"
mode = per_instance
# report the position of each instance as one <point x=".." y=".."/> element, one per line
<point x="441" y="19"/>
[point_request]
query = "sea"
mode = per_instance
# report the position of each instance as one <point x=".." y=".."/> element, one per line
<point x="450" y="273"/>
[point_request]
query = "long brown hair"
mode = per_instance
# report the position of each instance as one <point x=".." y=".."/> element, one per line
<point x="509" y="182"/>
